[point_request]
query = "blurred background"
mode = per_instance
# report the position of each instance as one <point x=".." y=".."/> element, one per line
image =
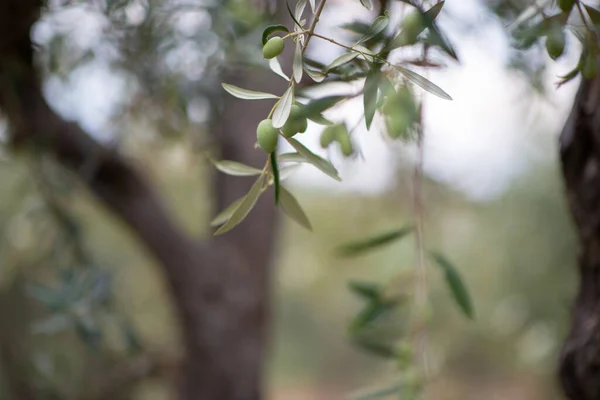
<point x="145" y="76"/>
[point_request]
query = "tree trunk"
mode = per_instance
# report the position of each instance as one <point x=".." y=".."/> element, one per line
<point x="220" y="286"/>
<point x="579" y="368"/>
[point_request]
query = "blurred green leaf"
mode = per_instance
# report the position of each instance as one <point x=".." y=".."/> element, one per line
<point x="272" y="29"/>
<point x="242" y="211"/>
<point x="379" y="349"/>
<point x="291" y="157"/>
<point x="283" y="108"/>
<point x="368" y="4"/>
<point x="224" y="215"/>
<point x="378" y="393"/>
<point x="423" y="82"/>
<point x="378" y="25"/>
<point x="370" y="94"/>
<point x="292" y="14"/>
<point x="373" y="242"/>
<point x="247" y="94"/>
<point x="297" y="63"/>
<point x="341" y="60"/>
<point x="292" y="208"/>
<point x="367" y="290"/>
<point x="235" y="168"/>
<point x="314" y="159"/>
<point x="456" y="285"/>
<point x="593" y="13"/>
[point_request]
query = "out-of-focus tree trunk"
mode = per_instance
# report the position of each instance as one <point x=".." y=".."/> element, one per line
<point x="219" y="286"/>
<point x="580" y="153"/>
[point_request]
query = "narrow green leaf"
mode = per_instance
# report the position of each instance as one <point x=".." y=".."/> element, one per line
<point x="456" y="285"/>
<point x="380" y="349"/>
<point x="283" y="108"/>
<point x="287" y="170"/>
<point x="315" y="160"/>
<point x="433" y="12"/>
<point x="372" y="311"/>
<point x="316" y="76"/>
<point x="291" y="157"/>
<point x="373" y="242"/>
<point x="368" y="4"/>
<point x="593" y="13"/>
<point x="370" y="95"/>
<point x="312" y="6"/>
<point x="292" y="208"/>
<point x="341" y="60"/>
<point x="275" y="170"/>
<point x="224" y="215"/>
<point x="423" y="82"/>
<point x="300" y="6"/>
<point x="292" y="14"/>
<point x="375" y="29"/>
<point x="235" y="168"/>
<point x="276" y="67"/>
<point x="271" y="29"/>
<point x="247" y="94"/>
<point x="297" y="63"/>
<point x="242" y="211"/>
<point x="367" y="290"/>
<point x="378" y="393"/>
<point x="317" y="106"/>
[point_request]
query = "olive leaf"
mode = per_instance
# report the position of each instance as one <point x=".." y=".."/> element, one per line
<point x="370" y="95"/>
<point x="271" y="29"/>
<point x="224" y="215"/>
<point x="297" y="63"/>
<point x="244" y="208"/>
<point x="341" y="60"/>
<point x="455" y="283"/>
<point x="382" y="393"/>
<point x="314" y="159"/>
<point x="235" y="168"/>
<point x="373" y="242"/>
<point x="247" y="94"/>
<point x="292" y="208"/>
<point x="423" y="82"/>
<point x="276" y="67"/>
<point x="378" y="25"/>
<point x="283" y="108"/>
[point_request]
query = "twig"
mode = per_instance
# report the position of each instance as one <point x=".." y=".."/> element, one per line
<point x="313" y="25"/>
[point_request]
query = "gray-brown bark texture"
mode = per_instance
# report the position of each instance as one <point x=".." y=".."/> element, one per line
<point x="580" y="154"/>
<point x="220" y="286"/>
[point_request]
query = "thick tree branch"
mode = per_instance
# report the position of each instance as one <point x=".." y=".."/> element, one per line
<point x="580" y="155"/>
<point x="219" y="286"/>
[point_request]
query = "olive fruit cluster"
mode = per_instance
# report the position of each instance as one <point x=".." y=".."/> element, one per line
<point x="400" y="112"/>
<point x="267" y="135"/>
<point x="296" y="122"/>
<point x="273" y="47"/>
<point x="337" y="133"/>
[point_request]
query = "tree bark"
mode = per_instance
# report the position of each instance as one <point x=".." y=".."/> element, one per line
<point x="579" y="368"/>
<point x="220" y="286"/>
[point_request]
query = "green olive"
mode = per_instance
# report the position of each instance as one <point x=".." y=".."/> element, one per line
<point x="273" y="47"/>
<point x="566" y="5"/>
<point x="328" y="135"/>
<point x="555" y="43"/>
<point x="343" y="138"/>
<point x="590" y="66"/>
<point x="295" y="123"/>
<point x="267" y="135"/>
